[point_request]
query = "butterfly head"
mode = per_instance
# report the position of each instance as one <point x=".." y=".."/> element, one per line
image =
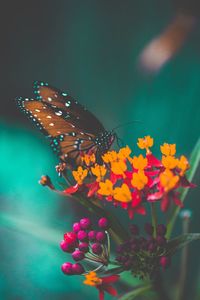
<point x="104" y="140"/>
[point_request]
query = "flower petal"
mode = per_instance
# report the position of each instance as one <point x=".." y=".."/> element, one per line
<point x="101" y="294"/>
<point x="141" y="210"/>
<point x="110" y="279"/>
<point x="153" y="161"/>
<point x="111" y="290"/>
<point x="93" y="187"/>
<point x="165" y="202"/>
<point x="154" y="197"/>
<point x="178" y="202"/>
<point x="72" y="189"/>
<point x="185" y="183"/>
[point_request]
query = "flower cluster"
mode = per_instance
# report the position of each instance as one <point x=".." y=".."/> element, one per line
<point x="86" y="243"/>
<point x="132" y="181"/>
<point x="144" y="256"/>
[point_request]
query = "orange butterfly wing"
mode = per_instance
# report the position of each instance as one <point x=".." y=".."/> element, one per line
<point x="71" y="128"/>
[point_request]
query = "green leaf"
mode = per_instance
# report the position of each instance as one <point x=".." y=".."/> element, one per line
<point x="127" y="278"/>
<point x="136" y="292"/>
<point x="194" y="163"/>
<point x="180" y="241"/>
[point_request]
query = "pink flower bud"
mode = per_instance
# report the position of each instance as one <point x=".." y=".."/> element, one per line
<point x="161" y="230"/>
<point x="85" y="223"/>
<point x="78" y="255"/>
<point x="84" y="247"/>
<point x="165" y="261"/>
<point x="70" y="238"/>
<point x="92" y="235"/>
<point x="76" y="227"/>
<point x="78" y="269"/>
<point x="103" y="223"/>
<point x="82" y="235"/>
<point x="100" y="236"/>
<point x="67" y="268"/>
<point x="66" y="247"/>
<point x="97" y="249"/>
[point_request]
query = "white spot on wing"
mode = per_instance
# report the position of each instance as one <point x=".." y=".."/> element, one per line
<point x="51" y="124"/>
<point x="58" y="113"/>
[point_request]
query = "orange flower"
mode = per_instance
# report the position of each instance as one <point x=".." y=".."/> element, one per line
<point x="169" y="162"/>
<point x="168" y="149"/>
<point x="168" y="180"/>
<point x="103" y="284"/>
<point x="89" y="159"/>
<point x="110" y="156"/>
<point x="139" y="180"/>
<point x="145" y="143"/>
<point x="92" y="279"/>
<point x="139" y="162"/>
<point x="99" y="171"/>
<point x="106" y="188"/>
<point x="80" y="175"/>
<point x="123" y="193"/>
<point x="118" y="167"/>
<point x="124" y="153"/>
<point x="183" y="165"/>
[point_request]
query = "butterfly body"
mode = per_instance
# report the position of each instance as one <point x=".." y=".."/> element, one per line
<point x="71" y="128"/>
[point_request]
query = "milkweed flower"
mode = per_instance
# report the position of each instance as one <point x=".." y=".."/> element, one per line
<point x="131" y="181"/>
<point x="103" y="284"/>
<point x="86" y="242"/>
<point x="144" y="256"/>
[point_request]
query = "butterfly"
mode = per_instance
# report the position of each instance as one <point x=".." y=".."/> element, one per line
<point x="71" y="128"/>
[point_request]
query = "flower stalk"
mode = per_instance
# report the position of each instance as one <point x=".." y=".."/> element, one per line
<point x="154" y="219"/>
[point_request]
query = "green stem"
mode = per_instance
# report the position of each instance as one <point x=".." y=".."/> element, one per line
<point x="154" y="218"/>
<point x="184" y="260"/>
<point x="136" y="292"/>
<point x="159" y="288"/>
<point x="112" y="262"/>
<point x="194" y="160"/>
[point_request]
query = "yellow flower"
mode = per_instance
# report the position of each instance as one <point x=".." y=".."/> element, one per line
<point x="124" y="153"/>
<point x="123" y="194"/>
<point x="89" y="159"/>
<point x="139" y="162"/>
<point x="99" y="171"/>
<point x="169" y="162"/>
<point x="183" y="165"/>
<point x="168" y="180"/>
<point x="139" y="180"/>
<point x="118" y="167"/>
<point x="109" y="156"/>
<point x="168" y="149"/>
<point x="145" y="143"/>
<point x="80" y="175"/>
<point x="92" y="279"/>
<point x="106" y="188"/>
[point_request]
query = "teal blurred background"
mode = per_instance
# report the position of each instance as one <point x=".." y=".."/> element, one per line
<point x="90" y="49"/>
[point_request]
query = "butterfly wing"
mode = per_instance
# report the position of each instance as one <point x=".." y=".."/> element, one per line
<point x="71" y="128"/>
<point x="68" y="107"/>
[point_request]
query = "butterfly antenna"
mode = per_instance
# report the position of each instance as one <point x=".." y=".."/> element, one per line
<point x="120" y="142"/>
<point x="125" y="124"/>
